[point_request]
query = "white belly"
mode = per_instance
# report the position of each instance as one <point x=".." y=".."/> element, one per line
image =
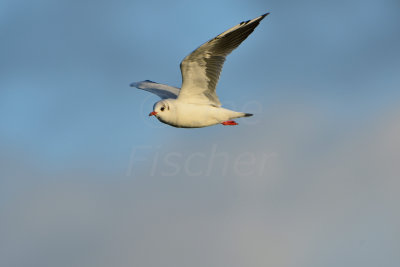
<point x="195" y="116"/>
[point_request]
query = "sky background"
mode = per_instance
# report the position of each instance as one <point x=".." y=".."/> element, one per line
<point x="88" y="179"/>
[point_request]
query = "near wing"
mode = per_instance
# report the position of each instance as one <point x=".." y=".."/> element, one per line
<point x="162" y="90"/>
<point x="201" y="69"/>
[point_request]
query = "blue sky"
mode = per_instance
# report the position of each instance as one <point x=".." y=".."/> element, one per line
<point x="88" y="179"/>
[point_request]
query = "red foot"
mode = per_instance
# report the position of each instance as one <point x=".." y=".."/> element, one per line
<point x="229" y="123"/>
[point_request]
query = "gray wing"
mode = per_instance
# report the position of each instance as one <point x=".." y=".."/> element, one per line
<point x="162" y="90"/>
<point x="201" y="69"/>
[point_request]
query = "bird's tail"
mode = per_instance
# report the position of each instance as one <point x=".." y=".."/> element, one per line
<point x="241" y="115"/>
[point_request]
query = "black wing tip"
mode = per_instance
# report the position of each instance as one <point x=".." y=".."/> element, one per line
<point x="134" y="84"/>
<point x="248" y="114"/>
<point x="264" y="15"/>
<point x="254" y="20"/>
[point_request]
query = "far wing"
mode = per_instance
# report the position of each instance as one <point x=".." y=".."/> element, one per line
<point x="162" y="90"/>
<point x="201" y="69"/>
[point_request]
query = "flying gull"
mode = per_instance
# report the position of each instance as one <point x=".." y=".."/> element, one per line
<point x="196" y="104"/>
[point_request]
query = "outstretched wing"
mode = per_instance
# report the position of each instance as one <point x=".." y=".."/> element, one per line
<point x="162" y="90"/>
<point x="201" y="69"/>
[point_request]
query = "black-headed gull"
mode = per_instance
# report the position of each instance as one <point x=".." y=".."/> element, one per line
<point x="196" y="104"/>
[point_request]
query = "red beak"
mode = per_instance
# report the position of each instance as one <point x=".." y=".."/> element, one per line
<point x="153" y="113"/>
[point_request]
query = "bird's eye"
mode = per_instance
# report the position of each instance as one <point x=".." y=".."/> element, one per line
<point x="162" y="108"/>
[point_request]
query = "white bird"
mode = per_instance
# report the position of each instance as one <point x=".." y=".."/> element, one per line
<point x="196" y="104"/>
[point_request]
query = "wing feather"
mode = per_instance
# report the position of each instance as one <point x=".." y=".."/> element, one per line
<point x="201" y="69"/>
<point x="162" y="90"/>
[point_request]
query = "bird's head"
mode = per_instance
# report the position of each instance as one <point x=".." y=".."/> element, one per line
<point x="160" y="109"/>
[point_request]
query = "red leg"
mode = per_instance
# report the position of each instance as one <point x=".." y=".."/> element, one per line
<point x="229" y="123"/>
